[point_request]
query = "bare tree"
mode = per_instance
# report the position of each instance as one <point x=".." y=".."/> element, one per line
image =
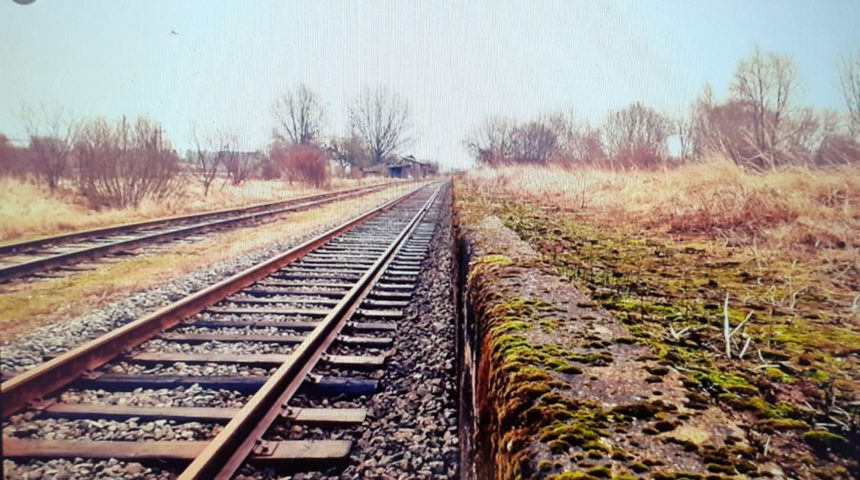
<point x="586" y="145"/>
<point x="207" y="159"/>
<point x="577" y="142"/>
<point x="51" y="131"/>
<point x="535" y="142"/>
<point x="300" y="116"/>
<point x="121" y="163"/>
<point x="702" y="132"/>
<point x="564" y="127"/>
<point x="348" y="152"/>
<point x="804" y="133"/>
<point x="381" y="119"/>
<point x="492" y="143"/>
<point x="555" y="138"/>
<point x="636" y="136"/>
<point x="768" y="83"/>
<point x="241" y="165"/>
<point x="237" y="164"/>
<point x="849" y="76"/>
<point x="683" y="127"/>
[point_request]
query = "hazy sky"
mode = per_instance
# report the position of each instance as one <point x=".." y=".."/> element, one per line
<point x="454" y="62"/>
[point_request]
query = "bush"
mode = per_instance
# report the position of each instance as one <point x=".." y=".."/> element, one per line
<point x="299" y="163"/>
<point x="638" y="156"/>
<point x="838" y="150"/>
<point x="269" y="169"/>
<point x="14" y="161"/>
<point x="121" y="163"/>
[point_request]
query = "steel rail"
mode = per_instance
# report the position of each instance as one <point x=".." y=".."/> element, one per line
<point x="41" y="242"/>
<point x="229" y="450"/>
<point x="58" y="372"/>
<point x="16" y="270"/>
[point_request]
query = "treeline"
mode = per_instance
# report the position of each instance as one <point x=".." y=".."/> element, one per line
<point x="759" y="126"/>
<point x="120" y="162"/>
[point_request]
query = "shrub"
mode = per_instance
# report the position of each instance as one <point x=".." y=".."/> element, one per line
<point x="121" y="163"/>
<point x="299" y="163"/>
<point x="15" y="161"/>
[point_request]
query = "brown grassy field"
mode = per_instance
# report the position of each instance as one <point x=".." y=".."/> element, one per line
<point x="29" y="210"/>
<point x="717" y="199"/>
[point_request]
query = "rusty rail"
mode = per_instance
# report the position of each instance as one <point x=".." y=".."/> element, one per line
<point x="34" y="384"/>
<point x="245" y="214"/>
<point x="11" y="247"/>
<point x="242" y="436"/>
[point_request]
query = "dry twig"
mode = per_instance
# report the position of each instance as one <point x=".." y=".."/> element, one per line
<point x="679" y="334"/>
<point x="729" y="333"/>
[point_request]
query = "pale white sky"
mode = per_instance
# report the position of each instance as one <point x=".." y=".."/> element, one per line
<point x="454" y="62"/>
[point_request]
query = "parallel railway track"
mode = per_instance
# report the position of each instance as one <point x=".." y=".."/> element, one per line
<point x="44" y="255"/>
<point x="314" y="321"/>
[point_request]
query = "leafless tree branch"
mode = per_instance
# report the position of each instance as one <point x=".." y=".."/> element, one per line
<point x="51" y="130"/>
<point x="768" y="83"/>
<point x="381" y="120"/>
<point x="849" y="77"/>
<point x="300" y="116"/>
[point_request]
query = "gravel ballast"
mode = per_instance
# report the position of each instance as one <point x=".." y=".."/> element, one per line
<point x="31" y="349"/>
<point x="411" y="430"/>
<point x="193" y="396"/>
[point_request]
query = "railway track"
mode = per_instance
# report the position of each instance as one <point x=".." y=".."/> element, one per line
<point x="44" y="256"/>
<point x="314" y="322"/>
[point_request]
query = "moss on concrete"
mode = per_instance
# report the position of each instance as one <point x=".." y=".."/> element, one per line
<point x="653" y="286"/>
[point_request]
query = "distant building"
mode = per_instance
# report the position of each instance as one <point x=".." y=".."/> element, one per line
<point x="409" y="167"/>
<point x="378" y="170"/>
<point x="405" y="167"/>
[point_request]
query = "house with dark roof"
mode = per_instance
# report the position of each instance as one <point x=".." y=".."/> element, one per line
<point x="404" y="167"/>
<point x="409" y="167"/>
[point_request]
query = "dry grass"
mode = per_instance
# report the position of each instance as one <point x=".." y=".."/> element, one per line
<point x="715" y="198"/>
<point x="25" y="306"/>
<point x="29" y="210"/>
